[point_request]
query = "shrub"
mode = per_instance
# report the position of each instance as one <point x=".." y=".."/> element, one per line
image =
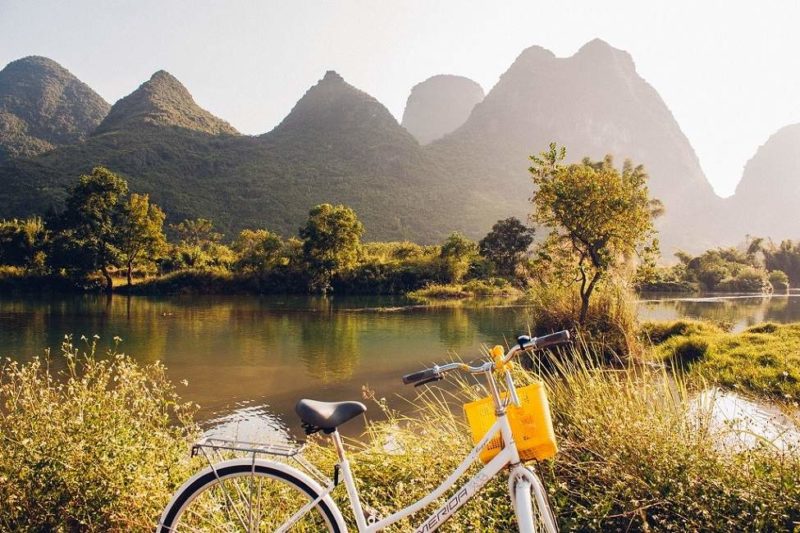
<point x="97" y="446"/>
<point x="748" y="279"/>
<point x="610" y="326"/>
<point x="779" y="281"/>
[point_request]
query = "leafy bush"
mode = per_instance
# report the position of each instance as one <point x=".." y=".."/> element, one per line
<point x="779" y="281"/>
<point x="610" y="326"/>
<point x="747" y="279"/>
<point x="97" y="446"/>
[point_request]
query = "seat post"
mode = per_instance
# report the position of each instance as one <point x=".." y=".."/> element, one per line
<point x="349" y="481"/>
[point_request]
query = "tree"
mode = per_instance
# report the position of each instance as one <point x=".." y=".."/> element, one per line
<point x="331" y="242"/>
<point x="141" y="232"/>
<point x="200" y="246"/>
<point x="457" y="254"/>
<point x="596" y="213"/>
<point x="506" y="244"/>
<point x="257" y="250"/>
<point x="196" y="232"/>
<point x="90" y="220"/>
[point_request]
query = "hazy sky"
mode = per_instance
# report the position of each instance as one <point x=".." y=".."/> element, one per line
<point x="729" y="71"/>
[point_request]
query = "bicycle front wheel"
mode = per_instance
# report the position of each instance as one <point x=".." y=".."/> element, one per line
<point x="244" y="497"/>
<point x="531" y="506"/>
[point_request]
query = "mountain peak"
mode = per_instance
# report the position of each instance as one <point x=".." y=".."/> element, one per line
<point x="332" y="103"/>
<point x="36" y="62"/>
<point x="439" y="105"/>
<point x="43" y="105"/>
<point x="333" y="76"/>
<point x="163" y="101"/>
<point x="599" y="51"/>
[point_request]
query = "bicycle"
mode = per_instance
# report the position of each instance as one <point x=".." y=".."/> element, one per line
<point x="288" y="493"/>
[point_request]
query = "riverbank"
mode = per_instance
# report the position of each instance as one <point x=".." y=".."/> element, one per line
<point x="104" y="451"/>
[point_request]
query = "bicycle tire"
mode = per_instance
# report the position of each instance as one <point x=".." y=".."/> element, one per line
<point x="531" y="510"/>
<point x="212" y="477"/>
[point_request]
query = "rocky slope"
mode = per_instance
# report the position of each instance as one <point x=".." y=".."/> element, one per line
<point x="766" y="200"/>
<point x="439" y="105"/>
<point x="42" y="105"/>
<point x="162" y="101"/>
<point x="594" y="103"/>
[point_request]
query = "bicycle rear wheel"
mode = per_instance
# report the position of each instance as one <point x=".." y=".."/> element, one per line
<point x="245" y="497"/>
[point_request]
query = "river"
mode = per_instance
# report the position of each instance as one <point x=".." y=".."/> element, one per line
<point x="247" y="359"/>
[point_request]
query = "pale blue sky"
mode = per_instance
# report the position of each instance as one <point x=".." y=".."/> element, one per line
<point x="727" y="70"/>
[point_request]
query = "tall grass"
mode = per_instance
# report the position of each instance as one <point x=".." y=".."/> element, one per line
<point x="96" y="446"/>
<point x="101" y="444"/>
<point x="634" y="456"/>
<point x="611" y="325"/>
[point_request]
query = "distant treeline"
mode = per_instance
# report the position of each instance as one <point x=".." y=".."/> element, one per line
<point x="104" y="233"/>
<point x="597" y="222"/>
<point x="762" y="266"/>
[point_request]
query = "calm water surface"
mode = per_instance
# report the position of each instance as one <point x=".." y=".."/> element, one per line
<point x="248" y="359"/>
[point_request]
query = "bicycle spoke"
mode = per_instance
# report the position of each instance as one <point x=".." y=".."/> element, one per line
<point x="250" y="503"/>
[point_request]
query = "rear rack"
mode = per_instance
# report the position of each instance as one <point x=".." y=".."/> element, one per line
<point x="214" y="450"/>
<point x="279" y="448"/>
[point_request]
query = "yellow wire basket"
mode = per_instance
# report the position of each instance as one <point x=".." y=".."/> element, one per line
<point x="531" y="424"/>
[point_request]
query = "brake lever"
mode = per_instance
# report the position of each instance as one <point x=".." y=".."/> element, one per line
<point x="429" y="380"/>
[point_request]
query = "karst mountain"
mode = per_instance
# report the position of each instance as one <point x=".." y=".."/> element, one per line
<point x="458" y="161"/>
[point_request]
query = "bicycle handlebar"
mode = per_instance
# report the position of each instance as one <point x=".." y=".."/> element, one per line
<point x="524" y="343"/>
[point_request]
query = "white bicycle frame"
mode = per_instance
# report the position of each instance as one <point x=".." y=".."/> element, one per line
<point x="507" y="456"/>
<point x="522" y="481"/>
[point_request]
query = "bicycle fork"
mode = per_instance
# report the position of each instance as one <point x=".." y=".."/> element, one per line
<point x="522" y="485"/>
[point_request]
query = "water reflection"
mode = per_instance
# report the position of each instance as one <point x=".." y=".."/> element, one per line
<point x="740" y="311"/>
<point x="240" y="354"/>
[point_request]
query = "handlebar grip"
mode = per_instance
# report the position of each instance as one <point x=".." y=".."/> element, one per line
<point x="429" y="380"/>
<point x="426" y="374"/>
<point x="559" y="337"/>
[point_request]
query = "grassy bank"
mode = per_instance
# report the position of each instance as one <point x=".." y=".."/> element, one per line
<point x="490" y="288"/>
<point x="101" y="444"/>
<point x="763" y="359"/>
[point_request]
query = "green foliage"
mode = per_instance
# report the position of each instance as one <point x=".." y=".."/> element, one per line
<point x="258" y="251"/>
<point x="331" y="243"/>
<point x="779" y="281"/>
<point x="597" y="215"/>
<point x="24" y="243"/>
<point x="659" y="332"/>
<point x="608" y="328"/>
<point x="506" y="244"/>
<point x="141" y="233"/>
<point x="725" y="270"/>
<point x="90" y="222"/>
<point x="764" y="359"/>
<point x="97" y="446"/>
<point x="475" y="288"/>
<point x="457" y="253"/>
<point x="42" y="105"/>
<point x="784" y="257"/>
<point x="200" y="247"/>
